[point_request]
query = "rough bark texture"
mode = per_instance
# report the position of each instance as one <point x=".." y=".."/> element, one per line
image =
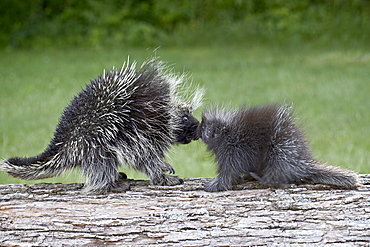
<point x="184" y="215"/>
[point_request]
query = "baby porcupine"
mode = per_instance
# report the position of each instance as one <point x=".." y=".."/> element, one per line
<point x="265" y="143"/>
<point x="124" y="117"/>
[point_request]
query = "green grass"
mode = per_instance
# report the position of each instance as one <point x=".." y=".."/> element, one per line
<point x="329" y="88"/>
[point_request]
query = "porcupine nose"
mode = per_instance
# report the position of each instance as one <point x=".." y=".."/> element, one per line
<point x="198" y="132"/>
<point x="196" y="135"/>
<point x="193" y="135"/>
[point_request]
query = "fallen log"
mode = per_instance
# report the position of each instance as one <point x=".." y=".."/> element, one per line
<point x="184" y="215"/>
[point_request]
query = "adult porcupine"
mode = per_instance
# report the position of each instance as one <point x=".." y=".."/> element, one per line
<point x="265" y="143"/>
<point x="124" y="117"/>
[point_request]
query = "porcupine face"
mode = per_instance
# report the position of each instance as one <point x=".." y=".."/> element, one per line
<point x="187" y="130"/>
<point x="209" y="131"/>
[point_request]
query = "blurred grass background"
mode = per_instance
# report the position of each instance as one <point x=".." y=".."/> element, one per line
<point x="313" y="54"/>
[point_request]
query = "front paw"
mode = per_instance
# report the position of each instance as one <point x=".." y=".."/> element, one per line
<point x="167" y="180"/>
<point x="215" y="186"/>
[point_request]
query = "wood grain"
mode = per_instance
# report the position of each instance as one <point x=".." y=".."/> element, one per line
<point x="184" y="215"/>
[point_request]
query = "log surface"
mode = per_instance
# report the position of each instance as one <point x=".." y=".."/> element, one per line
<point x="184" y="215"/>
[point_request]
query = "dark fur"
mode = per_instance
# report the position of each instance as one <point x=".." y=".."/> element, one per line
<point x="187" y="130"/>
<point x="128" y="117"/>
<point x="265" y="143"/>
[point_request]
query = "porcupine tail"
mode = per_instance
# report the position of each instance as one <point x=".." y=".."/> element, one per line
<point x="44" y="165"/>
<point x="332" y="175"/>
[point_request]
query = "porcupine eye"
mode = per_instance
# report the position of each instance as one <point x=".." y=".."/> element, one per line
<point x="185" y="119"/>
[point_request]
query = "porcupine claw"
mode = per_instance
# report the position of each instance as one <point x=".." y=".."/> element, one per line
<point x="170" y="169"/>
<point x="122" y="175"/>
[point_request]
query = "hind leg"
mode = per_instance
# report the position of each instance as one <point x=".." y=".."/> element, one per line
<point x="281" y="173"/>
<point x="101" y="173"/>
<point x="271" y="177"/>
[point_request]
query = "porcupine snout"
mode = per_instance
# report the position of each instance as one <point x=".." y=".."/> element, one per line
<point x="198" y="131"/>
<point x="189" y="125"/>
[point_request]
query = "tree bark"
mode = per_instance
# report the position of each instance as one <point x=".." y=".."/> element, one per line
<point x="184" y="215"/>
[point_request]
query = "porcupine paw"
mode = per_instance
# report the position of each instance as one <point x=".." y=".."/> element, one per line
<point x="266" y="181"/>
<point x="167" y="180"/>
<point x="256" y="177"/>
<point x="93" y="189"/>
<point x="215" y="186"/>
